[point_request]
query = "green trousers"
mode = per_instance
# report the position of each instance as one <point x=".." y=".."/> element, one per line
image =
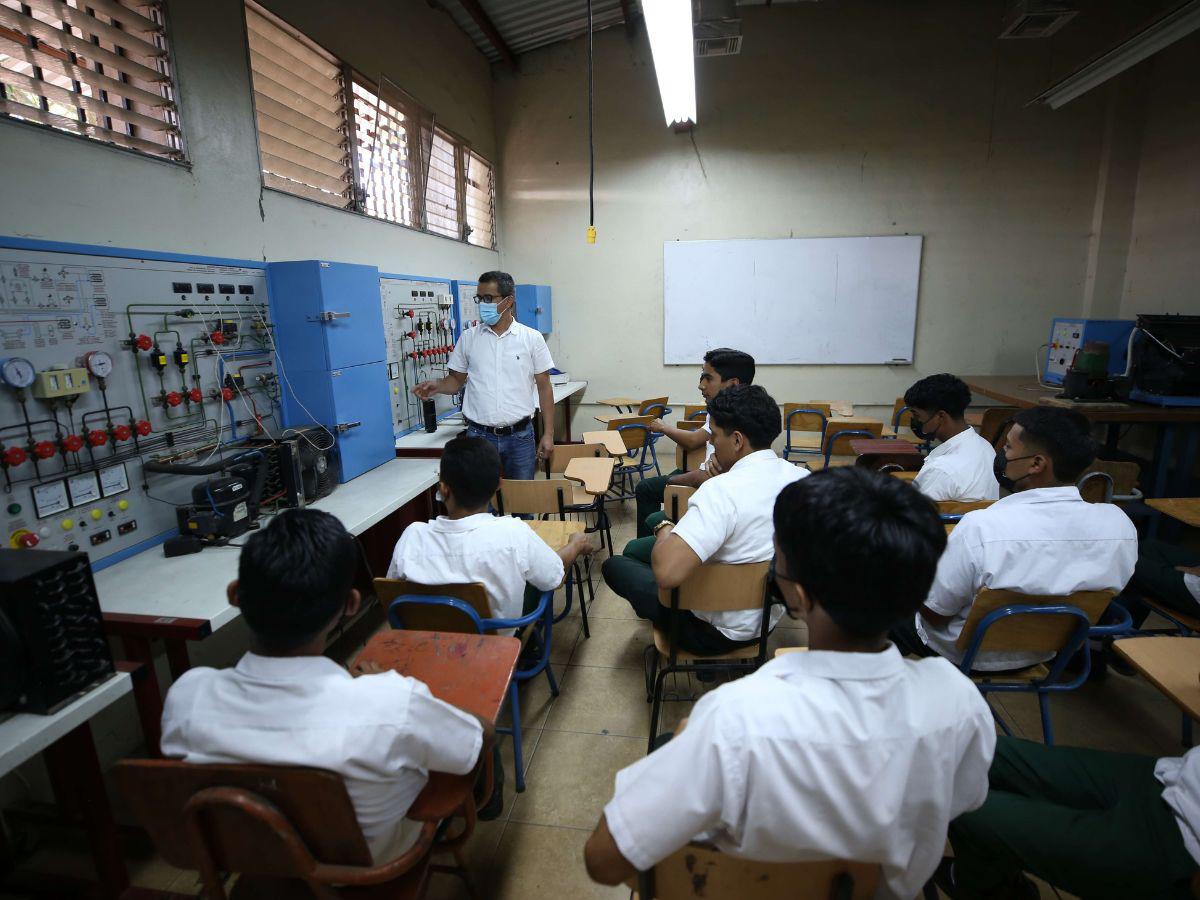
<point x="1087" y="821"/>
<point x="649" y="495"/>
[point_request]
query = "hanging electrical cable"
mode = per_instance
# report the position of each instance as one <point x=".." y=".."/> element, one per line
<point x="591" y="232"/>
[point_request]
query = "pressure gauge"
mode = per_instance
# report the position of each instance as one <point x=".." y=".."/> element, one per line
<point x="99" y="363"/>
<point x="17" y="372"/>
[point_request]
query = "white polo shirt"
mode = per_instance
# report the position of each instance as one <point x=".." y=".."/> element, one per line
<point x="499" y="552"/>
<point x="500" y="369"/>
<point x="818" y="755"/>
<point x="729" y="520"/>
<point x="1038" y="541"/>
<point x="382" y="733"/>
<point x="959" y="469"/>
<point x="1180" y="778"/>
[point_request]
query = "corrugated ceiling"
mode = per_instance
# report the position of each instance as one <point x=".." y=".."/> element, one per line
<point x="528" y="24"/>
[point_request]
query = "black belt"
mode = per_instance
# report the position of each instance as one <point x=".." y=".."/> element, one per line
<point x="501" y="430"/>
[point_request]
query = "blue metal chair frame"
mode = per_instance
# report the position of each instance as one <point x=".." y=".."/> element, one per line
<point x="698" y="414"/>
<point x="1050" y="684"/>
<point x="837" y="435"/>
<point x="541" y="618"/>
<point x="924" y="445"/>
<point x="787" y="443"/>
<point x="626" y="473"/>
<point x="662" y="412"/>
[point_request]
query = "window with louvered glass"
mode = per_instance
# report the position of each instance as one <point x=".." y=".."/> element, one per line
<point x="300" y="105"/>
<point x="96" y="68"/>
<point x="441" y="188"/>
<point x="479" y="200"/>
<point x="385" y="143"/>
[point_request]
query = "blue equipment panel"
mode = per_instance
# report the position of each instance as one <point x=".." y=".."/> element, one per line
<point x="534" y="307"/>
<point x="1068" y="336"/>
<point x="331" y="342"/>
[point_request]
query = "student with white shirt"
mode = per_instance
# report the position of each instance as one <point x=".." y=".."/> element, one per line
<point x="960" y="466"/>
<point x="1042" y="539"/>
<point x="728" y="521"/>
<point x="1100" y="825"/>
<point x="722" y="368"/>
<point x="847" y="751"/>
<point x="287" y="704"/>
<point x="506" y="369"/>
<point x="469" y="544"/>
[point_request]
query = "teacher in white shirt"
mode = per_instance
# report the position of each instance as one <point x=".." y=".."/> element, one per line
<point x="506" y="367"/>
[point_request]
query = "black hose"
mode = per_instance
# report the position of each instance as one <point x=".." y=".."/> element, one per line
<point x="591" y="142"/>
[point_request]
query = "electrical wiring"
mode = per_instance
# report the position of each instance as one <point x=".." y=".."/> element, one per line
<point x="295" y="396"/>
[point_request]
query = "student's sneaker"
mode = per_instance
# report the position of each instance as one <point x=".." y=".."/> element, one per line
<point x="1018" y="887"/>
<point x="495" y="804"/>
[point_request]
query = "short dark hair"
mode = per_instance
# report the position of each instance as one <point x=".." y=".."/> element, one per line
<point x="731" y="364"/>
<point x="294" y="576"/>
<point x="1063" y="435"/>
<point x="471" y="469"/>
<point x="749" y="409"/>
<point x="863" y="545"/>
<point x="948" y="392"/>
<point x="504" y="282"/>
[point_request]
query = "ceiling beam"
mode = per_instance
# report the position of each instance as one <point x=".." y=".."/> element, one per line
<point x="475" y="11"/>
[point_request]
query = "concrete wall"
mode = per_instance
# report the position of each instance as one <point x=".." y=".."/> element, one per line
<point x="58" y="187"/>
<point x="848" y="118"/>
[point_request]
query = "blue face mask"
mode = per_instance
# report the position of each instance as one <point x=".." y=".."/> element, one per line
<point x="489" y="313"/>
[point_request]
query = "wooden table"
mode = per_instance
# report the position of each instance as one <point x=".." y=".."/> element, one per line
<point x="611" y="441"/>
<point x="1185" y="509"/>
<point x="594" y="473"/>
<point x="471" y="671"/>
<point x="1171" y="664"/>
<point x="555" y="533"/>
<point x="876" y="453"/>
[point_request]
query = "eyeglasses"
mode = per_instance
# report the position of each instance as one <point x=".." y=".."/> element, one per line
<point x="485" y="298"/>
<point x="773" y="578"/>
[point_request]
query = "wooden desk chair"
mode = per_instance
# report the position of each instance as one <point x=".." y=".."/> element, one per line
<point x="1002" y="620"/>
<point x="700" y="871"/>
<point x="689" y="460"/>
<point x="808" y="421"/>
<point x="465" y="609"/>
<point x="836" y="449"/>
<point x="996" y="421"/>
<point x="713" y="587"/>
<point x="1110" y="481"/>
<point x="951" y="511"/>
<point x="675" y="500"/>
<point x="581" y="501"/>
<point x="285" y="830"/>
<point x="635" y="432"/>
<point x="901" y="418"/>
<point x="697" y="412"/>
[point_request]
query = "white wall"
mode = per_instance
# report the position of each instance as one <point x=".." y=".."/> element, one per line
<point x="58" y="187"/>
<point x="847" y="118"/>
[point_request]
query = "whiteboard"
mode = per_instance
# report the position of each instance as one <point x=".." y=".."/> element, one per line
<point x="819" y="301"/>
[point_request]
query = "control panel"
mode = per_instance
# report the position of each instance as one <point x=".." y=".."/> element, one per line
<point x="110" y="363"/>
<point x="1068" y="336"/>
<point x="421" y="324"/>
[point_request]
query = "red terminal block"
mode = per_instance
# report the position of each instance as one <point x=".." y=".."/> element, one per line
<point x="142" y="428"/>
<point x="174" y="398"/>
<point x="226" y="394"/>
<point x="217" y="337"/>
<point x="122" y="432"/>
<point x="97" y="438"/>
<point x="44" y="449"/>
<point x="14" y="456"/>
<point x="195" y="395"/>
<point x="143" y="342"/>
<point x="72" y="443"/>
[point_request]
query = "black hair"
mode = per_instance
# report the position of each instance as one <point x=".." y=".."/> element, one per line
<point x="504" y="282"/>
<point x="731" y="364"/>
<point x="1063" y="435"/>
<point x="944" y="391"/>
<point x="294" y="576"/>
<point x="471" y="469"/>
<point x="749" y="409"/>
<point x="865" y="546"/>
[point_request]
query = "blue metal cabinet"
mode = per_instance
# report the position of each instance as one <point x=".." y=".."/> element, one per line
<point x="534" y="307"/>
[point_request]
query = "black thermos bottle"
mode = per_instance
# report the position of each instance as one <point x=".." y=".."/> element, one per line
<point x="430" y="413"/>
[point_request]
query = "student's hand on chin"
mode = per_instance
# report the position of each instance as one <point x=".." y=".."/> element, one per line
<point x="713" y="467"/>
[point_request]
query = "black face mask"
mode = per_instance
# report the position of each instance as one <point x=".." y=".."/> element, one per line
<point x="917" y="429"/>
<point x="1000" y="466"/>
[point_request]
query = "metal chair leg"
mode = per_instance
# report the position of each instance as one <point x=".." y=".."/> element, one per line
<point x="656" y="709"/>
<point x="551" y="679"/>
<point x="1047" y="728"/>
<point x="514" y="705"/>
<point x="587" y="633"/>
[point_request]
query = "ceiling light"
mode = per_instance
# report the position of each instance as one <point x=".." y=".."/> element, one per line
<point x="669" y="23"/>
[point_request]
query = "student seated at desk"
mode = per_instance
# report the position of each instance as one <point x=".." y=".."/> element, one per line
<point x="722" y="368"/>
<point x="1100" y="825"/>
<point x="286" y="704"/>
<point x="1041" y="539"/>
<point x="1165" y="573"/>
<point x="960" y="466"/>
<point x="469" y="544"/>
<point x="728" y="521"/>
<point x="846" y="751"/>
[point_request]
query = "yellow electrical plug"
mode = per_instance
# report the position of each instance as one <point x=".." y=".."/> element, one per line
<point x="591" y="234"/>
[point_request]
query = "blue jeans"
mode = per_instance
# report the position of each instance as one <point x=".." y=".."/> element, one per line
<point x="518" y="452"/>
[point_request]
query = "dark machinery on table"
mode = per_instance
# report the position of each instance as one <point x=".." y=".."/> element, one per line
<point x="222" y="508"/>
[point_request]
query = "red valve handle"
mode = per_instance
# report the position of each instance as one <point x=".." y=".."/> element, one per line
<point x="411" y="313"/>
<point x="143" y="342"/>
<point x="97" y="438"/>
<point x="14" y="456"/>
<point x="142" y="428"/>
<point x="217" y="337"/>
<point x="174" y="398"/>
<point x="226" y="394"/>
<point x="195" y="396"/>
<point x="122" y="432"/>
<point x="72" y="443"/>
<point x="412" y="335"/>
<point x="28" y="540"/>
<point x="44" y="449"/>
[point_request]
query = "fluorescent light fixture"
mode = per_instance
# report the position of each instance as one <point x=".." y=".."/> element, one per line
<point x="1161" y="33"/>
<point x="669" y="23"/>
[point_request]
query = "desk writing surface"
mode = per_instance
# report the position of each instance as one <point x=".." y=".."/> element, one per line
<point x="619" y="401"/>
<point x="25" y="735"/>
<point x="1185" y="509"/>
<point x="594" y="473"/>
<point x="556" y="534"/>
<point x="1171" y="664"/>
<point x="611" y="441"/>
<point x="1023" y="391"/>
<point x="193" y="586"/>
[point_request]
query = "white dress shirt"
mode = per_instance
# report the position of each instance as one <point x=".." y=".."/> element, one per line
<point x="1038" y="541"/>
<point x="817" y="755"/>
<point x="382" y="733"/>
<point x="499" y="552"/>
<point x="959" y="469"/>
<point x="500" y="369"/>
<point x="730" y="520"/>
<point x="709" y="450"/>
<point x="1180" y="777"/>
<point x="1192" y="583"/>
